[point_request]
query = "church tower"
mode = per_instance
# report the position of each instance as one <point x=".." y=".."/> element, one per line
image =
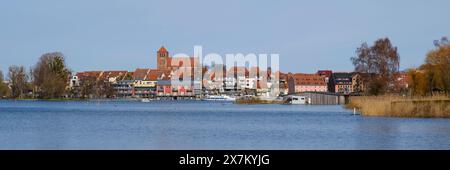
<point x="162" y="58"/>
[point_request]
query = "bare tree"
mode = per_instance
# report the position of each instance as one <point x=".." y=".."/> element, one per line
<point x="18" y="80"/>
<point x="4" y="89"/>
<point x="87" y="86"/>
<point x="380" y="62"/>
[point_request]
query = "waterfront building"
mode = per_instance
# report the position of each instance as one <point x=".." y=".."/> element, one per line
<point x="92" y="74"/>
<point x="401" y="82"/>
<point x="142" y="73"/>
<point x="267" y="86"/>
<point x="283" y="83"/>
<point x="124" y="88"/>
<point x="325" y="74"/>
<point x="168" y="87"/>
<point x="166" y="62"/>
<point x="213" y="84"/>
<point x="214" y="79"/>
<point x="168" y="79"/>
<point x="181" y="68"/>
<point x="109" y="76"/>
<point x="341" y="83"/>
<point x="74" y="81"/>
<point x="235" y="79"/>
<point x="112" y="76"/>
<point x="250" y="83"/>
<point x="144" y="88"/>
<point x="300" y="82"/>
<point x="164" y="86"/>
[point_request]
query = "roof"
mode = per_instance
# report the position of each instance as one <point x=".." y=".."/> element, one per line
<point x="237" y="71"/>
<point x="164" y="75"/>
<point x="152" y="75"/>
<point x="325" y="72"/>
<point x="109" y="74"/>
<point x="95" y="74"/>
<point x="101" y="75"/>
<point x="140" y="74"/>
<point x="260" y="72"/>
<point x="281" y="75"/>
<point x="342" y="77"/>
<point x="193" y="61"/>
<point x="342" y="74"/>
<point x="162" y="50"/>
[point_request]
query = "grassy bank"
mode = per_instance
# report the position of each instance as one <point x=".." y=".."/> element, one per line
<point x="397" y="106"/>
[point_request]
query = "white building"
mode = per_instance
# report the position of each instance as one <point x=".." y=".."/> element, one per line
<point x="74" y="81"/>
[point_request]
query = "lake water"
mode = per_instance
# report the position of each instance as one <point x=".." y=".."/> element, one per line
<point x="207" y="125"/>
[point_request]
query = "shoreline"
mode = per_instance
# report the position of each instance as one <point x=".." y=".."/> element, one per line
<point x="403" y="107"/>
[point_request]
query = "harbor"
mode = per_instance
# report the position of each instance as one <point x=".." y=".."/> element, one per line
<point x="310" y="98"/>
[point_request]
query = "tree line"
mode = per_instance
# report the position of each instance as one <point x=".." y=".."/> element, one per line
<point x="45" y="80"/>
<point x="49" y="79"/>
<point x="379" y="65"/>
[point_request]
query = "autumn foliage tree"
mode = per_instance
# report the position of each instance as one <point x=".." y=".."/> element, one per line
<point x="379" y="63"/>
<point x="418" y="82"/>
<point x="434" y="75"/>
<point x="437" y="65"/>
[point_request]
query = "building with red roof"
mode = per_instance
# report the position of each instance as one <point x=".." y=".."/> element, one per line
<point x="300" y="82"/>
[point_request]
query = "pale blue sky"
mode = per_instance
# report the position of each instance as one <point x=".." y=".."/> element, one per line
<point x="125" y="34"/>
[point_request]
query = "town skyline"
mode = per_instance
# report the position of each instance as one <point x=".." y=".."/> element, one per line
<point x="115" y="35"/>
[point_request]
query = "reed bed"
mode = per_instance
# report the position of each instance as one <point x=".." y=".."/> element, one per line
<point x="399" y="106"/>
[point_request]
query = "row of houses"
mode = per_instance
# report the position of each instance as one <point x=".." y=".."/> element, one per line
<point x="338" y="82"/>
<point x="166" y="81"/>
<point x="148" y="83"/>
<point x="141" y="83"/>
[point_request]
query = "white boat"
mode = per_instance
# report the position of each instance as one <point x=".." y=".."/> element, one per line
<point x="219" y="98"/>
<point x="145" y="100"/>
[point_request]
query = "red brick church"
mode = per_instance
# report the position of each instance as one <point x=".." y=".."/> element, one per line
<point x="164" y="61"/>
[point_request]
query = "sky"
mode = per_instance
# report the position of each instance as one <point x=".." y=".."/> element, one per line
<point x="125" y="34"/>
